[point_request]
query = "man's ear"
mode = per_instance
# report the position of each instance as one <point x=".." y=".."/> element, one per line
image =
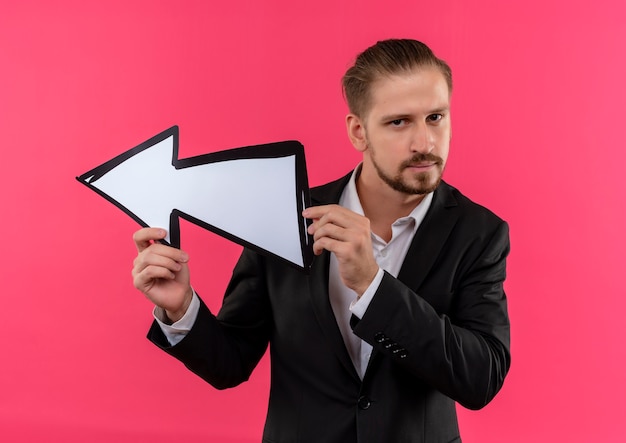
<point x="356" y="132"/>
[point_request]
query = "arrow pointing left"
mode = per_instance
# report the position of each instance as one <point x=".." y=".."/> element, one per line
<point x="253" y="195"/>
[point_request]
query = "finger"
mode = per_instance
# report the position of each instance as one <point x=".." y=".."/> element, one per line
<point x="148" y="258"/>
<point x="167" y="251"/>
<point x="322" y="244"/>
<point x="316" y="212"/>
<point x="160" y="255"/>
<point x="340" y="225"/>
<point x="335" y="215"/>
<point x="146" y="236"/>
<point x="338" y="247"/>
<point x="340" y="240"/>
<point x="330" y="230"/>
<point x="148" y="276"/>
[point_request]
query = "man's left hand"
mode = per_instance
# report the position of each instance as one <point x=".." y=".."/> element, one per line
<point x="347" y="235"/>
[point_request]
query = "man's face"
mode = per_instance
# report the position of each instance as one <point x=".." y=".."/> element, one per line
<point x="405" y="135"/>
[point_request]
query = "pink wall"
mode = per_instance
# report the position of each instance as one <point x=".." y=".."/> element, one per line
<point x="538" y="137"/>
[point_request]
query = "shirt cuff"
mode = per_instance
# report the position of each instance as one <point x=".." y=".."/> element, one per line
<point x="360" y="305"/>
<point x="178" y="330"/>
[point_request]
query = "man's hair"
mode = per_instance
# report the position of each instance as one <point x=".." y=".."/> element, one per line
<point x="385" y="58"/>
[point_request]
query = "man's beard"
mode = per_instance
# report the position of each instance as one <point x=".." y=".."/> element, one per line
<point x="424" y="184"/>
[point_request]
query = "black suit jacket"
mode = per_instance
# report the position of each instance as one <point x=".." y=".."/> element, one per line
<point x="440" y="334"/>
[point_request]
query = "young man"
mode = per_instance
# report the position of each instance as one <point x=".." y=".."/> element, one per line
<point x="404" y="311"/>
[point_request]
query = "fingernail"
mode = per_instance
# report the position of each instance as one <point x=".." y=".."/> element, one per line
<point x="184" y="257"/>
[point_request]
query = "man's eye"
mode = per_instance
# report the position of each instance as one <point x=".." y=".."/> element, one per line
<point x="434" y="117"/>
<point x="397" y="122"/>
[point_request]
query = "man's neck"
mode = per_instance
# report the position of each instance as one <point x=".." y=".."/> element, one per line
<point x="383" y="205"/>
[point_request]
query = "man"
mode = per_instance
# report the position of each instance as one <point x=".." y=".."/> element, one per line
<point x="404" y="311"/>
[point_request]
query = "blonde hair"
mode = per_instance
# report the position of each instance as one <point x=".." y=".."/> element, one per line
<point x="386" y="57"/>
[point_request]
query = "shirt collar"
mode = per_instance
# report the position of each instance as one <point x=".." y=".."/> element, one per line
<point x="350" y="200"/>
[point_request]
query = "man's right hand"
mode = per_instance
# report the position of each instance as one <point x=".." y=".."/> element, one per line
<point x="161" y="273"/>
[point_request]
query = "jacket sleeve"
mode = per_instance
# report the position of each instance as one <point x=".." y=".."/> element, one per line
<point x="224" y="349"/>
<point x="463" y="350"/>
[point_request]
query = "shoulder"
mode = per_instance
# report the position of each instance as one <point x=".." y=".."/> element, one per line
<point x="447" y="196"/>
<point x="469" y="230"/>
<point x="468" y="224"/>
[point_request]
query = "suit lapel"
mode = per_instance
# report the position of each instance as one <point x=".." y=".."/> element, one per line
<point x="426" y="245"/>
<point x="318" y="281"/>
<point x="429" y="238"/>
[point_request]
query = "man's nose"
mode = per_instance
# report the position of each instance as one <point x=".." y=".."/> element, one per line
<point x="422" y="140"/>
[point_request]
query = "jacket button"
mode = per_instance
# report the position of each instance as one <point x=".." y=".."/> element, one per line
<point x="380" y="337"/>
<point x="400" y="352"/>
<point x="394" y="348"/>
<point x="364" y="402"/>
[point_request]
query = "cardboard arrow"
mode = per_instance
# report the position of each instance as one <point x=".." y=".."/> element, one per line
<point x="253" y="195"/>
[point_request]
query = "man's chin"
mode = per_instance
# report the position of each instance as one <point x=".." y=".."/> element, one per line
<point x="426" y="189"/>
<point x="425" y="183"/>
<point x="420" y="188"/>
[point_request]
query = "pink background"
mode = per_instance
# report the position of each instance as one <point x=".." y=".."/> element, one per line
<point x="538" y="137"/>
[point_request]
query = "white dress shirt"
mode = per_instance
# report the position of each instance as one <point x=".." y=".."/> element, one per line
<point x="389" y="257"/>
<point x="343" y="300"/>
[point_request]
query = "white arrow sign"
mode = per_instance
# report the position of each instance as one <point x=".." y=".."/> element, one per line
<point x="253" y="195"/>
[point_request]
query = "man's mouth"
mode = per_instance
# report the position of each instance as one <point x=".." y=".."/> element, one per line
<point x="422" y="162"/>
<point x="421" y="166"/>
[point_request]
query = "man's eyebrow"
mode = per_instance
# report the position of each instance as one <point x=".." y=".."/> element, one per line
<point x="440" y="110"/>
<point x="392" y="117"/>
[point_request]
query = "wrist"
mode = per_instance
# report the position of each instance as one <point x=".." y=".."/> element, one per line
<point x="366" y="283"/>
<point x="172" y="316"/>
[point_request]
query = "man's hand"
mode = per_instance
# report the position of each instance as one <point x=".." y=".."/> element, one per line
<point x="348" y="236"/>
<point x="161" y="273"/>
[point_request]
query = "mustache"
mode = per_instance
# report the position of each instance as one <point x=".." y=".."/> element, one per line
<point x="421" y="158"/>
